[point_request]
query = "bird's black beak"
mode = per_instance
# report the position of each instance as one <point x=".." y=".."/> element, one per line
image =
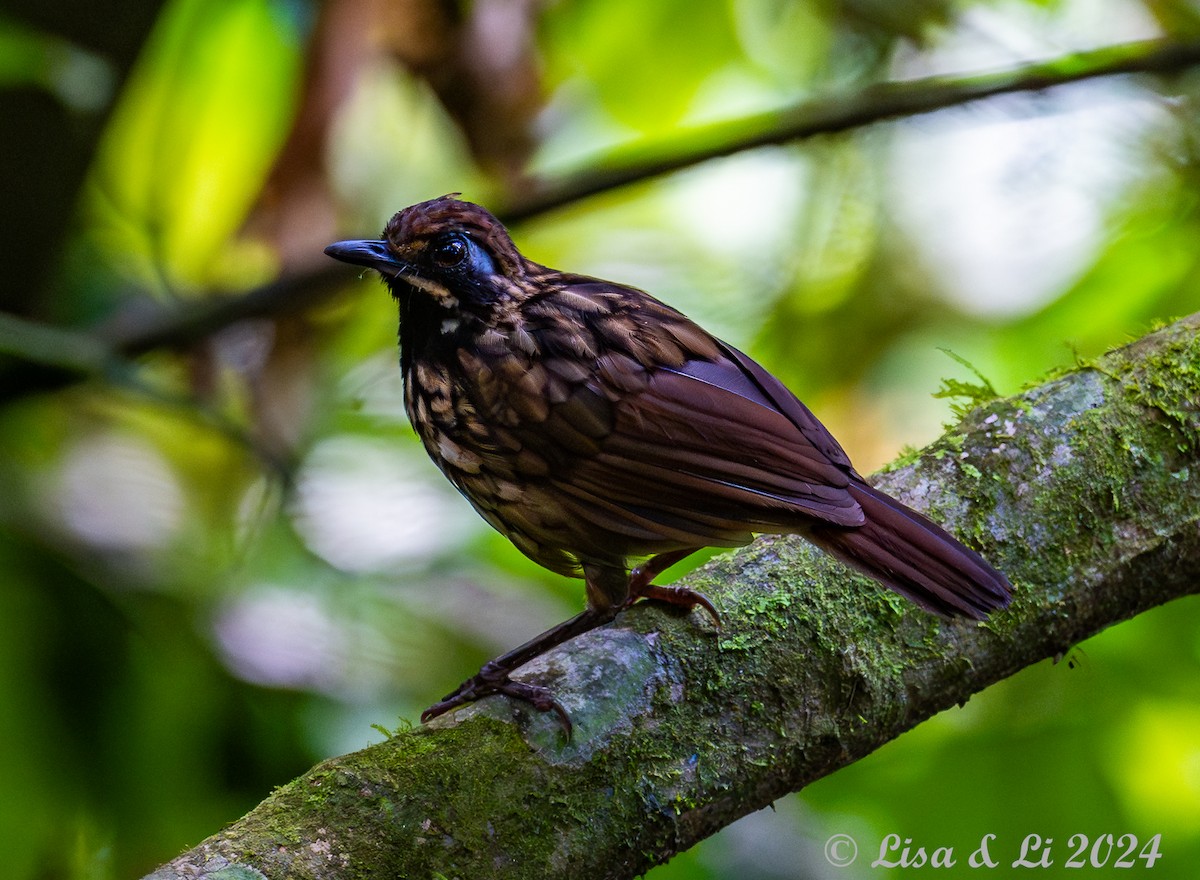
<point x="370" y="253"/>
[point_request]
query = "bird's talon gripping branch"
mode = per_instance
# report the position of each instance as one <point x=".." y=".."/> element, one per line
<point x="487" y="683"/>
<point x="680" y="596"/>
<point x="641" y="585"/>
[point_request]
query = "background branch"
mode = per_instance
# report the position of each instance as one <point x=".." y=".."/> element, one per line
<point x="838" y="113"/>
<point x="1086" y="490"/>
<point x="144" y="328"/>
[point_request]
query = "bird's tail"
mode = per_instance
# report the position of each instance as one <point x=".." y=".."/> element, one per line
<point x="914" y="556"/>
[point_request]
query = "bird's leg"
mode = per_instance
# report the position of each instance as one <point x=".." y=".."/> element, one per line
<point x="608" y="592"/>
<point x="493" y="677"/>
<point x="640" y="586"/>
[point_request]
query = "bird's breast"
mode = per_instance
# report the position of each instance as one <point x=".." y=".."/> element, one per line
<point x="476" y="409"/>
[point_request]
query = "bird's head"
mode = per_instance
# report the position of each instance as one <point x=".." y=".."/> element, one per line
<point x="454" y="252"/>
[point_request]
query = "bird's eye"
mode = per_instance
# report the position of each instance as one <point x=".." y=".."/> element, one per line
<point x="450" y="252"/>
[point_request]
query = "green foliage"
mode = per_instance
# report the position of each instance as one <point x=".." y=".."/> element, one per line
<point x="969" y="394"/>
<point x="189" y="141"/>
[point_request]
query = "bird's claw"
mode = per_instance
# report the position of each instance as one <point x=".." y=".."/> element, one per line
<point x="488" y="682"/>
<point x="680" y="596"/>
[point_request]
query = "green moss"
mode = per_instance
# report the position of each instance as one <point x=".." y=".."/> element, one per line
<point x="769" y="612"/>
<point x="1168" y="380"/>
<point x="908" y="455"/>
<point x="1093" y="454"/>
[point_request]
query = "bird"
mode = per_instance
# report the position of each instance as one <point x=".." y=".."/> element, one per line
<point x="599" y="428"/>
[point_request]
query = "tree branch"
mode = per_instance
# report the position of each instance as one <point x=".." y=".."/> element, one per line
<point x="145" y="329"/>
<point x="1086" y="490"/>
<point x="48" y="358"/>
<point x="838" y="113"/>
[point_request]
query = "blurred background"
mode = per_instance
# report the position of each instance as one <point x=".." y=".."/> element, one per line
<point x="226" y="557"/>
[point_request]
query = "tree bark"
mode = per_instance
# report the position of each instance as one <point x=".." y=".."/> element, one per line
<point x="1085" y="490"/>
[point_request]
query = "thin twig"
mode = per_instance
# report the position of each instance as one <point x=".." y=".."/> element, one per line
<point x="839" y="113"/>
<point x="55" y="366"/>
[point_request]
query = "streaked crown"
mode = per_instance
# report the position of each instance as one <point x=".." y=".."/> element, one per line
<point x="413" y="228"/>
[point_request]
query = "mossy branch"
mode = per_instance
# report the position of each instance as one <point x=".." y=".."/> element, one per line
<point x="1086" y="490"/>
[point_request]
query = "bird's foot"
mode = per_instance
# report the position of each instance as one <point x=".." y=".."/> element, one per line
<point x="640" y="586"/>
<point x="680" y="596"/>
<point x="494" y="679"/>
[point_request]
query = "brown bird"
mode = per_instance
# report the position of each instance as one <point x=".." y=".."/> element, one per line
<point x="592" y="424"/>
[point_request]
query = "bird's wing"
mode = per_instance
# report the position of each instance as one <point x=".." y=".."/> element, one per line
<point x="709" y="433"/>
<point x="773" y="394"/>
<point x="653" y="431"/>
<point x="706" y="452"/>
